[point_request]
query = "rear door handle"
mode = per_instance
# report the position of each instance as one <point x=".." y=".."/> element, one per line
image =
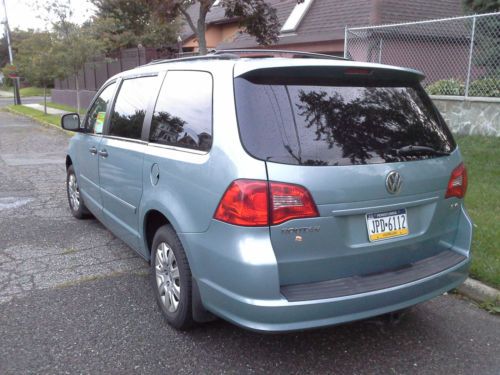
<point x="93" y="150"/>
<point x="103" y="153"/>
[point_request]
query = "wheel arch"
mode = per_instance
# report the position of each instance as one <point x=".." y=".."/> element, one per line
<point x="69" y="162"/>
<point x="154" y="219"/>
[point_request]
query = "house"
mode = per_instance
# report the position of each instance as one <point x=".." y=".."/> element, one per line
<point x="317" y="25"/>
<point x="219" y="28"/>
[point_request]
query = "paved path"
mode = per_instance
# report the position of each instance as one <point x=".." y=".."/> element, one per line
<point x="50" y="111"/>
<point x="6" y="94"/>
<point x="9" y="101"/>
<point x="76" y="300"/>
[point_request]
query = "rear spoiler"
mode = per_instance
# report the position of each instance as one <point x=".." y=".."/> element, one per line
<point x="333" y="75"/>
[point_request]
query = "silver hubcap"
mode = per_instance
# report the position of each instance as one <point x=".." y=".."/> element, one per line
<point x="167" y="277"/>
<point x="74" y="193"/>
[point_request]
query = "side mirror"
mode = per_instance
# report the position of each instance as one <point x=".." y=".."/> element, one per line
<point x="71" y="121"/>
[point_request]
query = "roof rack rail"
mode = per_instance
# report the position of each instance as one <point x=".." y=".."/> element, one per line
<point x="264" y="52"/>
<point x="233" y="54"/>
<point x="210" y="56"/>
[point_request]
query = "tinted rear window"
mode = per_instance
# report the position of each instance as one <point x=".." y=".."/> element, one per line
<point x="311" y="124"/>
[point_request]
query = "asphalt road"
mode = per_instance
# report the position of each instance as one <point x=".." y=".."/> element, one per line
<point x="74" y="299"/>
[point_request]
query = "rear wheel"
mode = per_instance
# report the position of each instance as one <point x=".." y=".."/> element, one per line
<point x="171" y="278"/>
<point x="76" y="204"/>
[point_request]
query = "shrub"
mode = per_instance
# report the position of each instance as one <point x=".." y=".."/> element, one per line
<point x="489" y="87"/>
<point x="485" y="87"/>
<point x="446" y="87"/>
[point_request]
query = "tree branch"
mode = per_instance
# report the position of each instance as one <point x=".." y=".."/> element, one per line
<point x="188" y="19"/>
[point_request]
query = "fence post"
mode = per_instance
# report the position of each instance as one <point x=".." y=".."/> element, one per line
<point x="345" y="42"/>
<point x="471" y="50"/>
<point x="381" y="42"/>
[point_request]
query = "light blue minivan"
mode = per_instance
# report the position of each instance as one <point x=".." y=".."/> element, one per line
<point x="279" y="192"/>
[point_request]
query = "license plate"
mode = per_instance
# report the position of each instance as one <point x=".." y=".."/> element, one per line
<point x="384" y="225"/>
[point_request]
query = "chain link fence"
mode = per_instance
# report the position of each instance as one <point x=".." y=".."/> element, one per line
<point x="459" y="56"/>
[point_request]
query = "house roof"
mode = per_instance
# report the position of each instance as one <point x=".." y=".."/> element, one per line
<point x="327" y="19"/>
<point x="217" y="14"/>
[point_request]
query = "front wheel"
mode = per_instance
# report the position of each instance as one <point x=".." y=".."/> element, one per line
<point x="76" y="204"/>
<point x="171" y="278"/>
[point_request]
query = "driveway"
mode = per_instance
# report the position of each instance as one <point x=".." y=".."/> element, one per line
<point x="74" y="299"/>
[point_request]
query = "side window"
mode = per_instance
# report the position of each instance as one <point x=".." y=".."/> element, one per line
<point x="97" y="113"/>
<point x="130" y="107"/>
<point x="183" y="111"/>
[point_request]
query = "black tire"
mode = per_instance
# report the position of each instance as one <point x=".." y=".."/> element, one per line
<point x="182" y="317"/>
<point x="81" y="211"/>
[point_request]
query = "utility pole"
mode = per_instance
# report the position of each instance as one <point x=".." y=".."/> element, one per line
<point x="17" y="97"/>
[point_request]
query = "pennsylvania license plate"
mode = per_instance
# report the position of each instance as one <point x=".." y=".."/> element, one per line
<point x="384" y="225"/>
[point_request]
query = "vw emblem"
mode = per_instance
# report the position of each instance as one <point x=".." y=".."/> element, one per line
<point x="393" y="182"/>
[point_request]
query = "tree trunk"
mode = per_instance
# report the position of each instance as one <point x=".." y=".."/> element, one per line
<point x="45" y="98"/>
<point x="201" y="29"/>
<point x="77" y="94"/>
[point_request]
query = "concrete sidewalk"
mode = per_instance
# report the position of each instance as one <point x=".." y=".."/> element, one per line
<point x="6" y="94"/>
<point x="50" y="111"/>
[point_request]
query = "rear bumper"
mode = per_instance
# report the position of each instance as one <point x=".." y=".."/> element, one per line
<point x="238" y="279"/>
<point x="280" y="315"/>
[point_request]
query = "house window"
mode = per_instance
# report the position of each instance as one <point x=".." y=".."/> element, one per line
<point x="298" y="13"/>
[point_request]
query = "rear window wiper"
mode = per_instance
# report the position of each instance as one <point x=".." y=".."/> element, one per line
<point x="415" y="149"/>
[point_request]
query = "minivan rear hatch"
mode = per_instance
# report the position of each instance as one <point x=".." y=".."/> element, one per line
<point x="345" y="134"/>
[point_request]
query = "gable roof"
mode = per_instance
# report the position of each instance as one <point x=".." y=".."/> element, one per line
<point x="327" y="19"/>
<point x="217" y="14"/>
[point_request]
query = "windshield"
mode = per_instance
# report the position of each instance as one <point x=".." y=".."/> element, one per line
<point x="304" y="124"/>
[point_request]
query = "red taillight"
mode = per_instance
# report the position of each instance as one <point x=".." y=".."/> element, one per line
<point x="290" y="202"/>
<point x="358" y="71"/>
<point x="457" y="186"/>
<point x="246" y="203"/>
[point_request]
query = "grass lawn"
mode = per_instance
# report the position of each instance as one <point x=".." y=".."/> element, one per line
<point x="28" y="91"/>
<point x="33" y="91"/>
<point x="65" y="107"/>
<point x="37" y="115"/>
<point x="482" y="158"/>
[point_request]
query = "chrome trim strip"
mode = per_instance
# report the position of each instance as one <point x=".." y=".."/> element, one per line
<point x="89" y="181"/>
<point x="363" y="210"/>
<point x="126" y="204"/>
<point x="139" y="141"/>
<point x="174" y="148"/>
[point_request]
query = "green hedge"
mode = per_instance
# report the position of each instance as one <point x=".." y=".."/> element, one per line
<point x="489" y="87"/>
<point x="446" y="87"/>
<point x="485" y="87"/>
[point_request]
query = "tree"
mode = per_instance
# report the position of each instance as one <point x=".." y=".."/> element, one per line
<point x="75" y="43"/>
<point x="257" y="17"/>
<point x="4" y="52"/>
<point x="481" y="6"/>
<point x="38" y="61"/>
<point x="16" y="36"/>
<point x="125" y="24"/>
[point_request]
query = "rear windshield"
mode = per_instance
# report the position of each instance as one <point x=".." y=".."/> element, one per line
<point x="292" y="122"/>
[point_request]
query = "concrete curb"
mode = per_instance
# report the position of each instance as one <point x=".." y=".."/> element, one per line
<point x="479" y="292"/>
<point x="44" y="123"/>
